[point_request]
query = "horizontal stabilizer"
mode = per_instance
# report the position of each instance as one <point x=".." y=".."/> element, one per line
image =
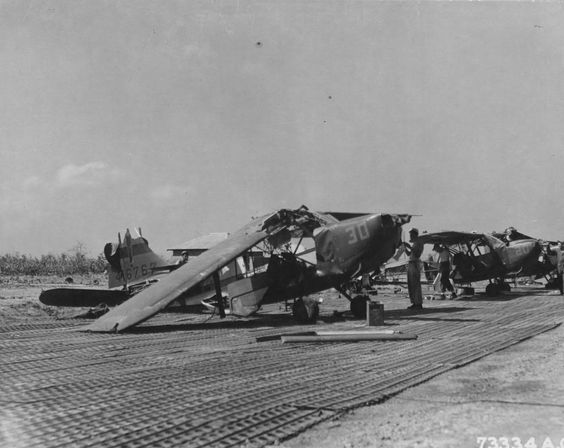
<point x="76" y="297"/>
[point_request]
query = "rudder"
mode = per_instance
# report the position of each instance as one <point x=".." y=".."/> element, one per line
<point x="131" y="261"/>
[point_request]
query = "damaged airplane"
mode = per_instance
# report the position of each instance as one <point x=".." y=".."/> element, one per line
<point x="346" y="246"/>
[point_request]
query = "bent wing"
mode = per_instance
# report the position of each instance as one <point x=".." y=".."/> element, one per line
<point x="155" y="298"/>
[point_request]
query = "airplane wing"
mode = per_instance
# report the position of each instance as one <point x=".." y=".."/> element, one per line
<point x="342" y="216"/>
<point x="155" y="298"/>
<point x="450" y="237"/>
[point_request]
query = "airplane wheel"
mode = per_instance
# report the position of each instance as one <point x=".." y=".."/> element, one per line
<point x="305" y="311"/>
<point x="492" y="290"/>
<point x="553" y="283"/>
<point x="358" y="306"/>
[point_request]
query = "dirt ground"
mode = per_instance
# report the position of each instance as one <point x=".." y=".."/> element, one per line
<point x="19" y="294"/>
<point x="516" y="394"/>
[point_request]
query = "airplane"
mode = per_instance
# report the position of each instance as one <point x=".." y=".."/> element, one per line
<point x="546" y="263"/>
<point x="132" y="266"/>
<point x="346" y="245"/>
<point x="480" y="256"/>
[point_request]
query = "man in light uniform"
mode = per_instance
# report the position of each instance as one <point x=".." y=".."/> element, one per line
<point x="444" y="270"/>
<point x="414" y="250"/>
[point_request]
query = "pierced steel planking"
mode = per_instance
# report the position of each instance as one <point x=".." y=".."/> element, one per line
<point x="213" y="385"/>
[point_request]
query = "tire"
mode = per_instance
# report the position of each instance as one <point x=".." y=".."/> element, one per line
<point x="492" y="290"/>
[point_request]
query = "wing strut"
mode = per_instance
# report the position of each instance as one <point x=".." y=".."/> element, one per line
<point x="218" y="294"/>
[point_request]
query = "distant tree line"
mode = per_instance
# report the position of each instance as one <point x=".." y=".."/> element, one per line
<point x="72" y="262"/>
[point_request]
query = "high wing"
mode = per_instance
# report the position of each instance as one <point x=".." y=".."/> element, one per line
<point x="450" y="237"/>
<point x="155" y="298"/>
<point x="342" y="216"/>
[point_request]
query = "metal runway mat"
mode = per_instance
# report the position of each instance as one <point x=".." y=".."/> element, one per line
<point x="180" y="381"/>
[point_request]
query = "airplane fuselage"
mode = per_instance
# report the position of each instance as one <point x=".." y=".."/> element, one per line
<point x="520" y="254"/>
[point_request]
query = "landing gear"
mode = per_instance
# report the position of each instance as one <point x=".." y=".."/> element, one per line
<point x="465" y="291"/>
<point x="505" y="286"/>
<point x="358" y="306"/>
<point x="492" y="290"/>
<point x="305" y="311"/>
<point x="95" y="312"/>
<point x="554" y="283"/>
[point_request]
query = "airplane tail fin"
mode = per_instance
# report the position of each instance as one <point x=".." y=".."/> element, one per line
<point x="131" y="261"/>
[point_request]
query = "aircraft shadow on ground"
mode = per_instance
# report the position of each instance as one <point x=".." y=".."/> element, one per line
<point x="259" y="321"/>
<point x="506" y="297"/>
<point x="273" y="320"/>
<point x="429" y="314"/>
<point x="285" y="319"/>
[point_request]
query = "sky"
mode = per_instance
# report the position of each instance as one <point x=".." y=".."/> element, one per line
<point x="186" y="118"/>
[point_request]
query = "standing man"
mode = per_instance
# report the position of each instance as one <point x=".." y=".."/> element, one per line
<point x="414" y="250"/>
<point x="444" y="270"/>
<point x="557" y="251"/>
<point x="560" y="267"/>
